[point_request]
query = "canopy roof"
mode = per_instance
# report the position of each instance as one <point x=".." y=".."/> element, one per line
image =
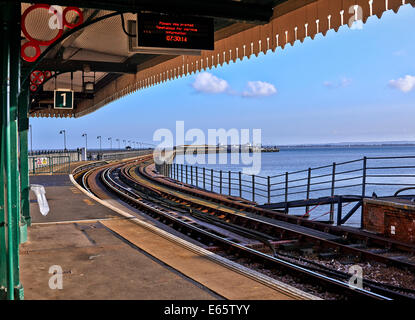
<point x="242" y="28"/>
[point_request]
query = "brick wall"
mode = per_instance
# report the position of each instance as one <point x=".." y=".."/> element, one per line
<point x="390" y="219"/>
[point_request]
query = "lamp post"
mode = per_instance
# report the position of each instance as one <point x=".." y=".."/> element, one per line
<point x="118" y="140"/>
<point x="100" y="139"/>
<point x="86" y="141"/>
<point x="125" y="143"/>
<point x="64" y="138"/>
<point x="31" y="135"/>
<point x="129" y="142"/>
<point x="110" y="140"/>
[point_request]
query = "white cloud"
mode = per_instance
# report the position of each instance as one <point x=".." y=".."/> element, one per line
<point x="403" y="84"/>
<point x="208" y="83"/>
<point x="259" y="89"/>
<point x="343" y="83"/>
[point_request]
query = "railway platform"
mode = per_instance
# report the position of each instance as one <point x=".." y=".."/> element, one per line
<point x="104" y="255"/>
<point x="96" y="263"/>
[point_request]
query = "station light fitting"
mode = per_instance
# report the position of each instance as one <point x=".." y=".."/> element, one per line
<point x="89" y="87"/>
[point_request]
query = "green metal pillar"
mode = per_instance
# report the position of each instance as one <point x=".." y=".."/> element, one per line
<point x="10" y="89"/>
<point x="24" y="163"/>
<point x="3" y="233"/>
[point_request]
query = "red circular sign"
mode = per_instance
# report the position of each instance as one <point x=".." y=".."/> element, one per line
<point x="33" y="87"/>
<point x="37" y="77"/>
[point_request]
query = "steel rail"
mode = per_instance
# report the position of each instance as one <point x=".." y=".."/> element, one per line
<point x="337" y="285"/>
<point x="284" y="231"/>
<point x="354" y="235"/>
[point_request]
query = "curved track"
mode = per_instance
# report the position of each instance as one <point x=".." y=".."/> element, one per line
<point x="142" y="189"/>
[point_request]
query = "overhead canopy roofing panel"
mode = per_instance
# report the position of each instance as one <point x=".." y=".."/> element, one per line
<point x="242" y="29"/>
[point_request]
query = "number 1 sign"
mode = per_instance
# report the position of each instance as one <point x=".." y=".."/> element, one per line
<point x="64" y="99"/>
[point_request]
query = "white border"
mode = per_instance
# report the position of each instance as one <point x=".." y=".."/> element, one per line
<point x="54" y="99"/>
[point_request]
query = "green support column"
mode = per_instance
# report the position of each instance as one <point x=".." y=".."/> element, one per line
<point x="15" y="92"/>
<point x="3" y="233"/>
<point x="24" y="163"/>
<point x="10" y="77"/>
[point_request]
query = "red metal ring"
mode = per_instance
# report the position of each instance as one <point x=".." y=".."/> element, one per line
<point x="72" y="25"/>
<point x="25" y="56"/>
<point x="39" y="76"/>
<point x="47" y="74"/>
<point x="28" y="36"/>
<point x="33" y="87"/>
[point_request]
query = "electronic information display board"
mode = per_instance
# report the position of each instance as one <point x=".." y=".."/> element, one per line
<point x="166" y="31"/>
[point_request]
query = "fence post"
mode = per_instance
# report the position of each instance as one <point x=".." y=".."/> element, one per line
<point x="339" y="210"/>
<point x="34" y="166"/>
<point x="181" y="172"/>
<point x="211" y="180"/>
<point x="286" y="192"/>
<point x="253" y="188"/>
<point x="307" y="208"/>
<point x="333" y="181"/>
<point x="363" y="188"/>
<point x="220" y="181"/>
<point x="269" y="189"/>
<point x="364" y="177"/>
<point x="197" y="178"/>
<point x="240" y="184"/>
<point x="191" y="175"/>
<point x="204" y="178"/>
<point x="187" y="180"/>
<point x="229" y="182"/>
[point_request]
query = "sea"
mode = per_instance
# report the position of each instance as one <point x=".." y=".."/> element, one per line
<point x="388" y="169"/>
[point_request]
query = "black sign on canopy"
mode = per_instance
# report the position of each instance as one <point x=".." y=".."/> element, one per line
<point x="165" y="31"/>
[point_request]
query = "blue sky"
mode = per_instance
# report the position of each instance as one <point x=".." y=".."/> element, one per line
<point x="353" y="85"/>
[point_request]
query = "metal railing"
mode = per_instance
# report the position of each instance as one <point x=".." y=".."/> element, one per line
<point x="123" y="155"/>
<point x="116" y="154"/>
<point x="338" y="183"/>
<point x="49" y="164"/>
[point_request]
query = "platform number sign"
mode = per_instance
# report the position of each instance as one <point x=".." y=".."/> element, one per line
<point x="64" y="99"/>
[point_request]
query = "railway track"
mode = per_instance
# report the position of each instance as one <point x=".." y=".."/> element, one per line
<point x="137" y="188"/>
<point x="350" y="243"/>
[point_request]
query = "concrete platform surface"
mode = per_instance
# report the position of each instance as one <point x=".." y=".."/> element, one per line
<point x="96" y="264"/>
<point x="66" y="202"/>
<point x="105" y="255"/>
